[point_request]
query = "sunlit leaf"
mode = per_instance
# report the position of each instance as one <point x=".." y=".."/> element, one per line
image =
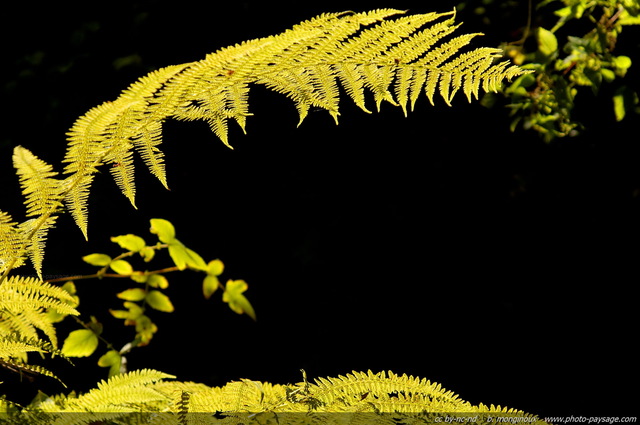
<point x="129" y="242"/>
<point x="164" y="229"/>
<point x="53" y="315"/>
<point x="100" y="260"/>
<point x="139" y="277"/>
<point x="121" y="267"/>
<point x="130" y="315"/>
<point x="119" y="314"/>
<point x="215" y="267"/>
<point x="145" y="329"/>
<point x="621" y="64"/>
<point x="184" y="257"/>
<point x="624" y="99"/>
<point x="147" y="253"/>
<point x="133" y="294"/>
<point x="238" y="302"/>
<point x="158" y="281"/>
<point x="210" y="285"/>
<point x="80" y="343"/>
<point x="547" y="42"/>
<point x="159" y="301"/>
<point x="111" y="359"/>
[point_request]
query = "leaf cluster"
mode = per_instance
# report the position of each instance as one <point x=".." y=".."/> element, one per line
<point x="148" y="293"/>
<point x="565" y="63"/>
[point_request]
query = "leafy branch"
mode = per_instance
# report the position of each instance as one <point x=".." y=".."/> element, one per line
<point x="544" y="101"/>
<point x="148" y="294"/>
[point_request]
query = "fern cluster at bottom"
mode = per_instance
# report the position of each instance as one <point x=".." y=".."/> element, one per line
<point x="146" y="397"/>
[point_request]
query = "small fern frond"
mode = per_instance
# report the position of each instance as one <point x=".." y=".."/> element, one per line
<point x="42" y="192"/>
<point x="12" y="243"/>
<point x="121" y="394"/>
<point x="24" y="302"/>
<point x="358" y="383"/>
<point x="76" y="199"/>
<point x="14" y="345"/>
<point x="35" y="231"/>
<point x="14" y="348"/>
<point x="43" y="199"/>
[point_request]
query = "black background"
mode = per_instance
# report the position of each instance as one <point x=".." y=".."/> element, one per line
<point x="439" y="245"/>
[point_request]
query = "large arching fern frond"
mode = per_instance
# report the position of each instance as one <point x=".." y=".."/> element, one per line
<point x="394" y="59"/>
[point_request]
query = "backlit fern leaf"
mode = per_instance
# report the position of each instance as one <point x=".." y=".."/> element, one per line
<point x="12" y="243"/>
<point x="393" y="58"/>
<point x="114" y="399"/>
<point x="43" y="198"/>
<point x="42" y="192"/>
<point x="24" y="302"/>
<point x="35" y="232"/>
<point x="358" y="383"/>
<point x="14" y="348"/>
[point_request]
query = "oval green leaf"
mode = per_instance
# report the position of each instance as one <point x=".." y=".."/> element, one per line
<point x="215" y="267"/>
<point x="184" y="257"/>
<point x="121" y="267"/>
<point x="80" y="343"/>
<point x="209" y="285"/>
<point x="129" y="242"/>
<point x="547" y="42"/>
<point x="159" y="301"/>
<point x="164" y="229"/>
<point x="111" y="359"/>
<point x="133" y="294"/>
<point x="100" y="260"/>
<point x="238" y="302"/>
<point x="158" y="281"/>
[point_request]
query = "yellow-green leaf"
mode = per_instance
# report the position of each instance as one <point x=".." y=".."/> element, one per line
<point x="119" y="314"/>
<point x="113" y="360"/>
<point x="195" y="261"/>
<point x="80" y="343"/>
<point x="139" y="277"/>
<point x="158" y="281"/>
<point x="164" y="229"/>
<point x="145" y="329"/>
<point x="624" y="99"/>
<point x="215" y="267"/>
<point x="129" y="242"/>
<point x="159" y="301"/>
<point x="184" y="257"/>
<point x="100" y="260"/>
<point x="547" y="42"/>
<point x="121" y="267"/>
<point x="621" y="64"/>
<point x="147" y="253"/>
<point x="131" y="314"/>
<point x="133" y="294"/>
<point x="209" y="285"/>
<point x="238" y="302"/>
